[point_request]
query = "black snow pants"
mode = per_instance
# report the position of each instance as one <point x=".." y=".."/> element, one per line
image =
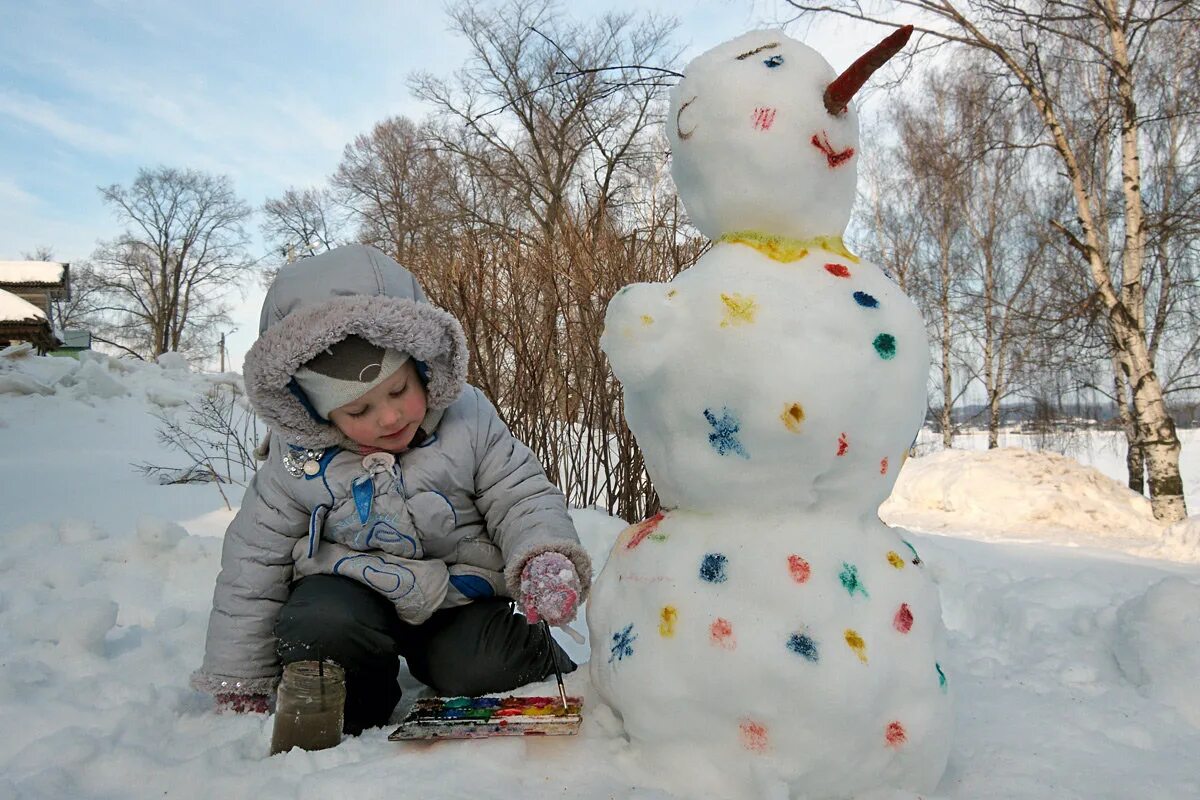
<point x="468" y="650"/>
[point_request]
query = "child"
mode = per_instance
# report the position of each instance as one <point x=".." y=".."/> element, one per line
<point x="395" y="514"/>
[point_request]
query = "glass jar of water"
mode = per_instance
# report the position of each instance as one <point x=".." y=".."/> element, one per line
<point x="310" y="706"/>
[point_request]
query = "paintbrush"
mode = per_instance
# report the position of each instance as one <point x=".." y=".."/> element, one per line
<point x="562" y="687"/>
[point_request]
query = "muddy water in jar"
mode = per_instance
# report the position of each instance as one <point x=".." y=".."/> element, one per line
<point x="310" y="707"/>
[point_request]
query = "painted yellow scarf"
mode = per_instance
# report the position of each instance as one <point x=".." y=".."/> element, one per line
<point x="786" y="250"/>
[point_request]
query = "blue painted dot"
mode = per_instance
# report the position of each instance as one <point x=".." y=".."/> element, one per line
<point x="802" y="644"/>
<point x="712" y="568"/>
<point x="941" y="676"/>
<point x="622" y="645"/>
<point x="774" y="61"/>
<point x="865" y="300"/>
<point x="724" y="436"/>
<point x="885" y="345"/>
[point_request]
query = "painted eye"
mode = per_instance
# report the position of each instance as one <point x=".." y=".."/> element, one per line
<point x="773" y="62"/>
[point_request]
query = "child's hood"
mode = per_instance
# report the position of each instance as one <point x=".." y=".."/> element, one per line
<point x="319" y="301"/>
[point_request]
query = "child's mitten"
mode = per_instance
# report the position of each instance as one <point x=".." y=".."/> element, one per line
<point x="549" y="588"/>
<point x="242" y="703"/>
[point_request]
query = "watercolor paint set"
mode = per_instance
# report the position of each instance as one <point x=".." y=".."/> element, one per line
<point x="481" y="717"/>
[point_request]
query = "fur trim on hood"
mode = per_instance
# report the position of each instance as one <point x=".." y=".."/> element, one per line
<point x="319" y="301"/>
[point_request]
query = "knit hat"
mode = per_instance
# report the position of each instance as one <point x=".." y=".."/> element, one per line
<point x="345" y="371"/>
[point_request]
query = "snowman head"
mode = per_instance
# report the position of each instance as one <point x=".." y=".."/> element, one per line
<point x="763" y="139"/>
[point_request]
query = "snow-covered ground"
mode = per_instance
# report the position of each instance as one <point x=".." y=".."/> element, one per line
<point x="1074" y="632"/>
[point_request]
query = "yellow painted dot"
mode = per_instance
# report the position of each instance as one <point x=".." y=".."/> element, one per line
<point x="895" y="560"/>
<point x="672" y="293"/>
<point x="666" y="625"/>
<point x="738" y="309"/>
<point x="792" y="416"/>
<point x="647" y="319"/>
<point x="856" y="644"/>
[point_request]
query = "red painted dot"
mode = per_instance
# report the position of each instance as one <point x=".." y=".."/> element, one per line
<point x="644" y="530"/>
<point x="838" y="270"/>
<point x="883" y="466"/>
<point x="895" y="734"/>
<point x="754" y="736"/>
<point x="721" y="632"/>
<point x="843" y="445"/>
<point x="903" y="621"/>
<point x="799" y="568"/>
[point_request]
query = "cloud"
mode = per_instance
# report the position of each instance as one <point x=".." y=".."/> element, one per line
<point x="13" y="195"/>
<point x="46" y="117"/>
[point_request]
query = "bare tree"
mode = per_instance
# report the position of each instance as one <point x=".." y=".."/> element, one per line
<point x="75" y="308"/>
<point x="302" y="222"/>
<point x="932" y="153"/>
<point x="395" y="185"/>
<point x="549" y="112"/>
<point x="1034" y="46"/>
<point x="165" y="279"/>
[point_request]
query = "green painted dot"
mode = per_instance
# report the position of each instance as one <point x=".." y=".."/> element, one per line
<point x="849" y="578"/>
<point x="941" y="676"/>
<point x="458" y="702"/>
<point x="885" y="345"/>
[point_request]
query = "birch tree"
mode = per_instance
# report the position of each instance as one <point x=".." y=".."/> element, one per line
<point x="1030" y="43"/>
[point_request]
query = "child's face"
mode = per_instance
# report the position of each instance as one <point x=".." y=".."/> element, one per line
<point x="387" y="416"/>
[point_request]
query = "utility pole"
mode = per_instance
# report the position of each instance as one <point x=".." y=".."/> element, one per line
<point x="222" y="352"/>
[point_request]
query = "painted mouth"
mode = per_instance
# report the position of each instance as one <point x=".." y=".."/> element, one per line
<point x="679" y="131"/>
<point x="835" y="158"/>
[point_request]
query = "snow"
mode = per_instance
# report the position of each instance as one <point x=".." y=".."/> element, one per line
<point x="31" y="272"/>
<point x="16" y="309"/>
<point x="1074" y="663"/>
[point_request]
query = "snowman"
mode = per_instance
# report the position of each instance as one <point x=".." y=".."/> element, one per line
<point x="766" y="634"/>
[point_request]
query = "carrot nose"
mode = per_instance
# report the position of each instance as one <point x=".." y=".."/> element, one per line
<point x="843" y="87"/>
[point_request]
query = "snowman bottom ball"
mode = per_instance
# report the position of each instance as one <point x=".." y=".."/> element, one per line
<point x="798" y="651"/>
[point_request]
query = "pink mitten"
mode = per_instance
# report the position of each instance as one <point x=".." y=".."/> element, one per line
<point x="241" y="703"/>
<point x="549" y="588"/>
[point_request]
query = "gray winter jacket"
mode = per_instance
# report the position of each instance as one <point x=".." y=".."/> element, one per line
<point x="452" y="519"/>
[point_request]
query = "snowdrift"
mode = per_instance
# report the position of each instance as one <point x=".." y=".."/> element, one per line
<point x="1016" y="494"/>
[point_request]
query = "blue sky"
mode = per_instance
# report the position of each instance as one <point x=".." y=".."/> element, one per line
<point x="266" y="92"/>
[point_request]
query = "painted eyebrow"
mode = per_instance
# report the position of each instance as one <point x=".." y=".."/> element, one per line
<point x="757" y="50"/>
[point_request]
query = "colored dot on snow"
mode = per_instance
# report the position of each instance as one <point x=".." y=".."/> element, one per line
<point x="739" y="310"/>
<point x="754" y="736"/>
<point x="712" y="568"/>
<point x="916" y="559"/>
<point x="856" y="643"/>
<point x="941" y="676"/>
<point x="724" y="435"/>
<point x="803" y="645"/>
<point x="885" y="345"/>
<point x="883" y="465"/>
<point x="666" y="624"/>
<point x="843" y="445"/>
<point x="849" y="578"/>
<point x="837" y="270"/>
<point x="895" y="560"/>
<point x="865" y="300"/>
<point x="799" y="568"/>
<point x="792" y="416"/>
<point x="647" y="319"/>
<point x="903" y="621"/>
<point x="622" y="644"/>
<point x="895" y="734"/>
<point x="721" y="633"/>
